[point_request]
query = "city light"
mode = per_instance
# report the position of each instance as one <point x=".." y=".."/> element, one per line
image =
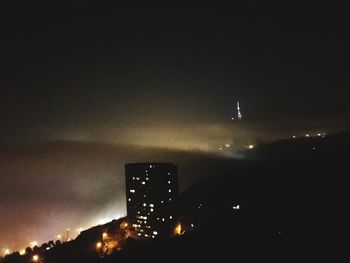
<point x="7" y="251"/>
<point x="178" y="229"/>
<point x="250" y="146"/>
<point x="35" y="258"/>
<point x="98" y="245"/>
<point x="22" y="252"/>
<point x="104" y="235"/>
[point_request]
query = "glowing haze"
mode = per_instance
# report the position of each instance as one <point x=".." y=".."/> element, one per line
<point x="87" y="88"/>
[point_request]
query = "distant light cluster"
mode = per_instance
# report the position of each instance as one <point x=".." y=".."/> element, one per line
<point x="310" y="135"/>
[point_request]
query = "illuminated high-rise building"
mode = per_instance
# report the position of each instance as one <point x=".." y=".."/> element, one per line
<point x="151" y="190"/>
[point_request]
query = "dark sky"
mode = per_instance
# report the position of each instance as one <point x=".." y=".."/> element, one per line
<point x="89" y="74"/>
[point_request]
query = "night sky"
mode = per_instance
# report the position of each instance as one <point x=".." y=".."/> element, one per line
<point x="86" y="88"/>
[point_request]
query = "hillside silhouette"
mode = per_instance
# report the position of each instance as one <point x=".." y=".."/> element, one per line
<point x="284" y="202"/>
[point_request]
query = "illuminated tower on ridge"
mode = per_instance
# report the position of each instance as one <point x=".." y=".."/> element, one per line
<point x="151" y="189"/>
<point x="239" y="115"/>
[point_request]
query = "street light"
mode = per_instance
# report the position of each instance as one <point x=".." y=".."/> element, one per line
<point x="98" y="245"/>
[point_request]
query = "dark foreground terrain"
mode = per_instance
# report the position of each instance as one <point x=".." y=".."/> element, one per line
<point x="286" y="202"/>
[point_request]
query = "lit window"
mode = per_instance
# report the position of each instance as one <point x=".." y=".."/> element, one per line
<point x="169" y="199"/>
<point x="147" y="178"/>
<point x="169" y="182"/>
<point x="168" y="173"/>
<point x="151" y="209"/>
<point x="129" y="199"/>
<point x="132" y="191"/>
<point x="133" y="178"/>
<point x="155" y="233"/>
<point x="138" y="212"/>
<point x="236" y="207"/>
<point x="163" y="219"/>
<point x="170" y="217"/>
<point x="162" y="201"/>
<point x="146" y="235"/>
<point x="139" y="234"/>
<point x="169" y="190"/>
<point x="143" y="182"/>
<point x="151" y="205"/>
<point x="158" y="218"/>
<point x="150" y="166"/>
<point x="153" y="236"/>
<point x="144" y="204"/>
<point x="192" y="225"/>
